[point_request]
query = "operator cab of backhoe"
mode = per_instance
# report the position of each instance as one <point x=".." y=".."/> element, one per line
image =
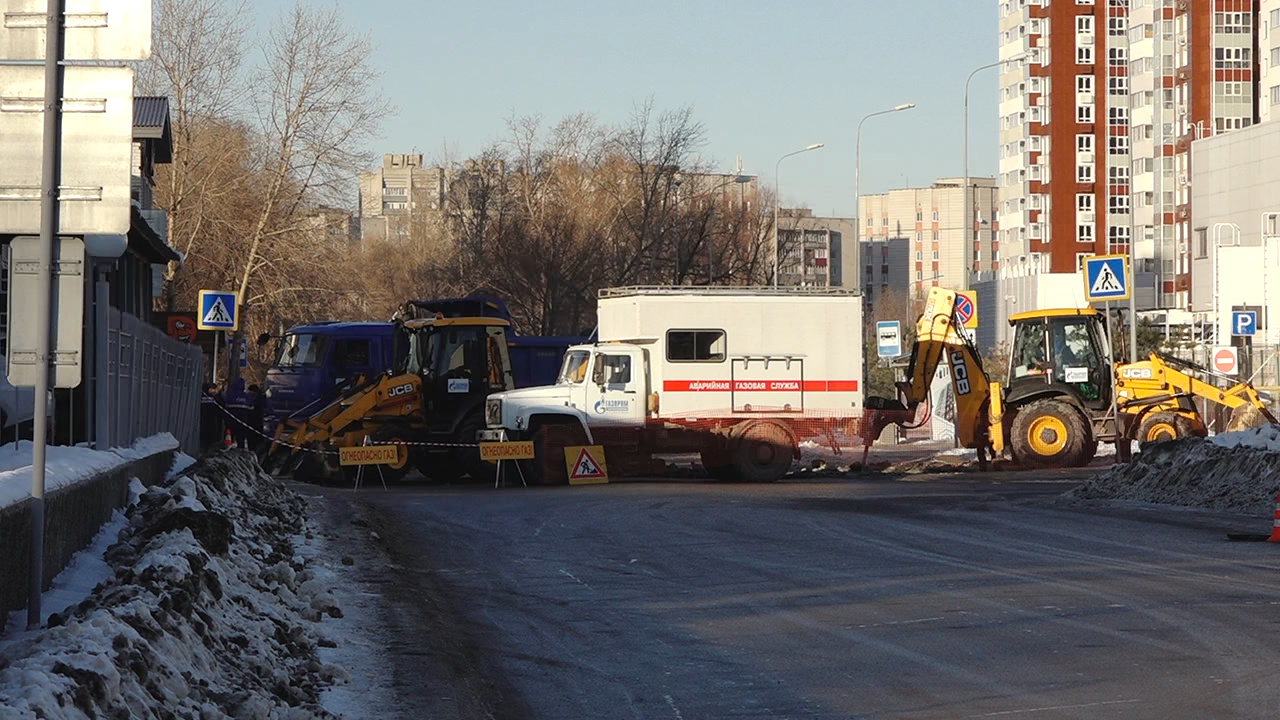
<point x="1060" y="352"/>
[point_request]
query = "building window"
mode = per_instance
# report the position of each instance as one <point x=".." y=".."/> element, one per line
<point x="1084" y="202"/>
<point x="1084" y="114"/>
<point x="1118" y="174"/>
<point x="1202" y="242"/>
<point x="1275" y="94"/>
<point x="1084" y="232"/>
<point x="1080" y="258"/>
<point x="1084" y="55"/>
<point x="1084" y="23"/>
<point x="935" y="254"/>
<point x="1118" y="237"/>
<point x="1118" y="116"/>
<point x="1119" y="204"/>
<point x="1084" y="143"/>
<point x="919" y="275"/>
<point x="1117" y="145"/>
<point x="1232" y="58"/>
<point x="1232" y="22"/>
<point x="1118" y="85"/>
<point x="884" y="221"/>
<point x="1084" y="173"/>
<point x="935" y="236"/>
<point x="919" y="216"/>
<point x="1223" y="124"/>
<point x="919" y="256"/>
<point x="1115" y="26"/>
<point x="1275" y="18"/>
<point x="1084" y="83"/>
<point x="1117" y="57"/>
<point x="935" y="216"/>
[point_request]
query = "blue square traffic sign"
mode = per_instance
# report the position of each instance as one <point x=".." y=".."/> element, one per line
<point x="218" y="311"/>
<point x="1106" y="277"/>
<point x="1244" y="322"/>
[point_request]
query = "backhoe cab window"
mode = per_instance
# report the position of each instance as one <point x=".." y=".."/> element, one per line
<point x="574" y="370"/>
<point x="695" y="346"/>
<point x="1028" y="350"/>
<point x="1074" y="359"/>
<point x="301" y="350"/>
<point x="455" y="351"/>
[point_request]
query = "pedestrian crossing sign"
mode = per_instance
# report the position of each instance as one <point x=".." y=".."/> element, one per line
<point x="586" y="465"/>
<point x="1106" y="278"/>
<point x="218" y="311"/>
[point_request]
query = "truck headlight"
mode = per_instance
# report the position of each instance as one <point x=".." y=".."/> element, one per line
<point x="493" y="412"/>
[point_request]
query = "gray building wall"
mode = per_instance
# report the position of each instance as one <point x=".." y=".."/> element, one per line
<point x="889" y="261"/>
<point x="814" y="249"/>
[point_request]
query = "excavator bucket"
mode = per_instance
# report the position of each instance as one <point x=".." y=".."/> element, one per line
<point x="1246" y="417"/>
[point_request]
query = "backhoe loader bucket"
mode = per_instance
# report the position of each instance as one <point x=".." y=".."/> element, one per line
<point x="1247" y="417"/>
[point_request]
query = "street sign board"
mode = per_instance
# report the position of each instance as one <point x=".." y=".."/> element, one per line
<point x="218" y="311"/>
<point x="1244" y="323"/>
<point x="1225" y="360"/>
<point x="967" y="308"/>
<point x="96" y="154"/>
<point x="888" y="338"/>
<point x="511" y="450"/>
<point x="586" y="464"/>
<point x="67" y="312"/>
<point x="92" y="30"/>
<point x="1106" y="278"/>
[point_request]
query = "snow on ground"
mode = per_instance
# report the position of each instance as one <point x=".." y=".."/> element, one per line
<point x="67" y="465"/>
<point x="208" y="604"/>
<point x="1233" y="472"/>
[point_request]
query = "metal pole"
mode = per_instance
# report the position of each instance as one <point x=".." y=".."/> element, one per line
<point x="217" y="340"/>
<point x="777" y="202"/>
<point x="44" y="303"/>
<point x="1133" y="241"/>
<point x="102" y="360"/>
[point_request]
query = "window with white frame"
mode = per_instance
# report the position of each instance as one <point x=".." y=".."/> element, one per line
<point x="1233" y="22"/>
<point x="1118" y="204"/>
<point x="1118" y="116"/>
<point x="1084" y="173"/>
<point x="1084" y="83"/>
<point x="1084" y="23"/>
<point x="1118" y="174"/>
<point x="1117" y="85"/>
<point x="1232" y="58"/>
<point x="1118" y="236"/>
<point x="1275" y="18"/>
<point x="1115" y="26"/>
<point x="1084" y="55"/>
<point x="1084" y="113"/>
<point x="935" y="216"/>
<point x="1084" y="143"/>
<point x="1117" y="145"/>
<point x="1084" y="202"/>
<point x="1080" y="258"/>
<point x="1084" y="232"/>
<point x="1117" y="57"/>
<point x="1275" y="94"/>
<point x="1223" y="124"/>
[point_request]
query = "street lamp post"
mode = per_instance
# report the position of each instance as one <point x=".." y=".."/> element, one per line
<point x="968" y="206"/>
<point x="777" y="202"/>
<point x="857" y="188"/>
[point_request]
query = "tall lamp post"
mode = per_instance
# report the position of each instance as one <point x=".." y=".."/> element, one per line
<point x="777" y="202"/>
<point x="857" y="188"/>
<point x="968" y="206"/>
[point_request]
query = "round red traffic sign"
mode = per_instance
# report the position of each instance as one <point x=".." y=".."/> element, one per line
<point x="964" y="309"/>
<point x="1224" y="360"/>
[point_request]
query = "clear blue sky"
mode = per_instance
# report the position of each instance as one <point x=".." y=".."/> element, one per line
<point x="765" y="78"/>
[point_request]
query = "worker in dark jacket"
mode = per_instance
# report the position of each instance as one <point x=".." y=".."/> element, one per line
<point x="240" y="407"/>
<point x="257" y="416"/>
<point x="212" y="421"/>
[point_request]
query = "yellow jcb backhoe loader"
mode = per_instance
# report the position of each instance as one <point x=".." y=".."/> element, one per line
<point x="1057" y="403"/>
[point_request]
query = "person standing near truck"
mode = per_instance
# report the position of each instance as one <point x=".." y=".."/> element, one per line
<point x="256" y="417"/>
<point x="212" y="422"/>
<point x="240" y="407"/>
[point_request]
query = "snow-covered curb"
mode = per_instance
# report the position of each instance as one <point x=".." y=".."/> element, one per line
<point x="208" y="611"/>
<point x="68" y="465"/>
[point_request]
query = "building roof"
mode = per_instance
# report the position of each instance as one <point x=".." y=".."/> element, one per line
<point x="151" y="122"/>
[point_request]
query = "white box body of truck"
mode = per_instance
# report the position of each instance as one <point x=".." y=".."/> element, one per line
<point x="719" y="353"/>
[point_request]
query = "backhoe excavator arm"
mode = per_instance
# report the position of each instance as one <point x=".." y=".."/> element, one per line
<point x="937" y="340"/>
<point x="1161" y="378"/>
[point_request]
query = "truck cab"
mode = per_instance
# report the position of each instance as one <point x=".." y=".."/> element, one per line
<point x="598" y="385"/>
<point x="312" y="361"/>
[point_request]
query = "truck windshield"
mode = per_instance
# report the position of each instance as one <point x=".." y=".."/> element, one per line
<point x="574" y="370"/>
<point x="301" y="350"/>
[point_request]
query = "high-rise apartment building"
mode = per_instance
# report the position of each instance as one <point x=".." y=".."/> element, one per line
<point x="1099" y="105"/>
<point x="942" y="251"/>
<point x="394" y="195"/>
<point x="1269" y="59"/>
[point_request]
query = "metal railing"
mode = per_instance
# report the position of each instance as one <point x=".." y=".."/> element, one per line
<point x="152" y="384"/>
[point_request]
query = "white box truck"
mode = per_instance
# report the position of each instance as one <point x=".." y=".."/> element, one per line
<point x="739" y="375"/>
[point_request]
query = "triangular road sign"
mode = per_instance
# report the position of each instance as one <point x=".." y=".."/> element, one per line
<point x="586" y="467"/>
<point x="1106" y="282"/>
<point x="218" y="314"/>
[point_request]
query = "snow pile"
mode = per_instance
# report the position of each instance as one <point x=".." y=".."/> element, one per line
<point x="1233" y="472"/>
<point x="208" y="613"/>
<point x="67" y="465"/>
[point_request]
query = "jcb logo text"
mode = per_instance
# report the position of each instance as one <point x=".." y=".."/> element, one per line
<point x="400" y="390"/>
<point x="960" y="372"/>
<point x="1136" y="373"/>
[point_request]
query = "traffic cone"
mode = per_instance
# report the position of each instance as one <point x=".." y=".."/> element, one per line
<point x="226" y="441"/>
<point x="1275" y="523"/>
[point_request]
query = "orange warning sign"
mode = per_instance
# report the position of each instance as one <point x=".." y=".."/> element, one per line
<point x="586" y="465"/>
<point x="515" y="450"/>
<point x="368" y="455"/>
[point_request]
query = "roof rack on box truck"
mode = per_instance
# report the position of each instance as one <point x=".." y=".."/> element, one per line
<point x="740" y="375"/>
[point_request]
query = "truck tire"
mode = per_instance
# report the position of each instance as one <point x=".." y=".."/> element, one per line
<point x="1162" y="426"/>
<point x="1049" y="433"/>
<point x="762" y="451"/>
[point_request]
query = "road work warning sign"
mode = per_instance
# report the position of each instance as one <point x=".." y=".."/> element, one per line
<point x="515" y="450"/>
<point x="369" y="455"/>
<point x="586" y="465"/>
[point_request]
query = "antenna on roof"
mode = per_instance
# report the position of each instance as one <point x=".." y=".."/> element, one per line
<point x="739" y="164"/>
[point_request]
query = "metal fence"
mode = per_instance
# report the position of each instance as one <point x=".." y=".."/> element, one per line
<point x="153" y="384"/>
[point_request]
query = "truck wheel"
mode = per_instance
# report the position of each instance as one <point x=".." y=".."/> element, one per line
<point x="1048" y="433"/>
<point x="763" y="452"/>
<point x="1162" y="426"/>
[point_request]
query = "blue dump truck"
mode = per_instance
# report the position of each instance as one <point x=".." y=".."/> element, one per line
<point x="313" y="361"/>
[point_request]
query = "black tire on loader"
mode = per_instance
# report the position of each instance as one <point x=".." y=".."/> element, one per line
<point x="396" y="471"/>
<point x="1161" y="427"/>
<point x="1049" y="433"/>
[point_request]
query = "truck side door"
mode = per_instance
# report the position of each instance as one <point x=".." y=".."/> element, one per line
<point x="616" y="393"/>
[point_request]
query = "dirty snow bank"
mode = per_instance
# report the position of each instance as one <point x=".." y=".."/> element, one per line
<point x="208" y="613"/>
<point x="1233" y="472"/>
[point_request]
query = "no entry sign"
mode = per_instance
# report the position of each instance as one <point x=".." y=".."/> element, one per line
<point x="1225" y="360"/>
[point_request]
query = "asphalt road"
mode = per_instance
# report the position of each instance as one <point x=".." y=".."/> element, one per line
<point x="954" y="596"/>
